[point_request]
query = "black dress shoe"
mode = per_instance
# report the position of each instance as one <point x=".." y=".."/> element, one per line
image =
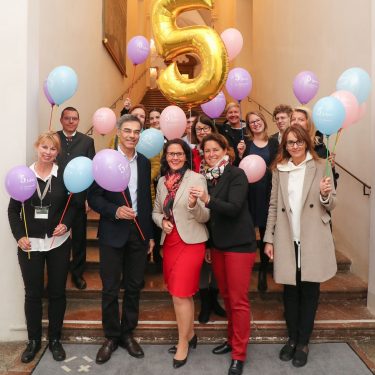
<point x="193" y="342"/>
<point x="33" y="347"/>
<point x="236" y="367"/>
<point x="106" y="350"/>
<point x="58" y="352"/>
<point x="79" y="282"/>
<point x="222" y="349"/>
<point x="300" y="356"/>
<point x="287" y="351"/>
<point x="132" y="346"/>
<point x="262" y="280"/>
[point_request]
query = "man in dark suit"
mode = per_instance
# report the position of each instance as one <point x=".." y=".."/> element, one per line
<point x="73" y="144"/>
<point x="281" y="115"/>
<point x="123" y="245"/>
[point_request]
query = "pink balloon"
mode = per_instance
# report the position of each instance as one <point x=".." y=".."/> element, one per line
<point x="111" y="170"/>
<point x="254" y="167"/>
<point x="215" y="107"/>
<point x="305" y="86"/>
<point x="350" y="103"/>
<point x="47" y="94"/>
<point x="138" y="49"/>
<point x="104" y="120"/>
<point x="361" y="111"/>
<point x="172" y="122"/>
<point x="20" y="183"/>
<point x="233" y="42"/>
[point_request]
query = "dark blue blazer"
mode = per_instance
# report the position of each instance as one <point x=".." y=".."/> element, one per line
<point x="113" y="232"/>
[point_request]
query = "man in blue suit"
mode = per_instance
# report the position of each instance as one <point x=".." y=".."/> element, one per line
<point x="123" y="246"/>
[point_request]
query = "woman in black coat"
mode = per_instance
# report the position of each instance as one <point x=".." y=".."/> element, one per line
<point x="47" y="243"/>
<point x="232" y="243"/>
<point x="258" y="143"/>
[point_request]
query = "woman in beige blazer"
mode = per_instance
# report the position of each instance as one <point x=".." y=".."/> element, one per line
<point x="181" y="217"/>
<point x="298" y="236"/>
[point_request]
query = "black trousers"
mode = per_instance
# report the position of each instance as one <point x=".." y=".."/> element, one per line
<point x="300" y="305"/>
<point x="79" y="227"/>
<point x="264" y="260"/>
<point x="128" y="261"/>
<point x="57" y="262"/>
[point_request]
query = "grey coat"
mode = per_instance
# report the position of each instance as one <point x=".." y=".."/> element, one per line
<point x="318" y="261"/>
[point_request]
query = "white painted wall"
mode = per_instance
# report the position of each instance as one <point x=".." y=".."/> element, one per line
<point x="326" y="37"/>
<point x="19" y="97"/>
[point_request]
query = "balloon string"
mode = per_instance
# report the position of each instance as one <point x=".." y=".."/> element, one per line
<point x="131" y="85"/>
<point x="239" y="104"/>
<point x="135" y="220"/>
<point x="328" y="164"/>
<point x="338" y="134"/>
<point x="62" y="216"/>
<point x="27" y="234"/>
<point x="50" y="117"/>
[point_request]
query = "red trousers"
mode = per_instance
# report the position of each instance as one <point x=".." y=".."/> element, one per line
<point x="233" y="272"/>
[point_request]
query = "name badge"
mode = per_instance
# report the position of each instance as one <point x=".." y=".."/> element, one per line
<point x="41" y="213"/>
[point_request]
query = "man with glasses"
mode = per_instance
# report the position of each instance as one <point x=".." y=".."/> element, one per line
<point x="73" y="144"/>
<point x="281" y="115"/>
<point x="125" y="238"/>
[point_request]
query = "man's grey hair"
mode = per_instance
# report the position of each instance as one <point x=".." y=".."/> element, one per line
<point x="128" y="118"/>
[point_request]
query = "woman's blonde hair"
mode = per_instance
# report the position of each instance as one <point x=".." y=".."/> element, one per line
<point x="50" y="136"/>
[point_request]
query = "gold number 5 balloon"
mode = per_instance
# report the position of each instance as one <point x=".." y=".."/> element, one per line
<point x="172" y="41"/>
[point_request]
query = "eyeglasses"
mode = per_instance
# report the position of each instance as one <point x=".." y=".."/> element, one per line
<point x="206" y="129"/>
<point x="175" y="154"/>
<point x="291" y="144"/>
<point x="70" y="118"/>
<point x="128" y="131"/>
<point x="257" y="121"/>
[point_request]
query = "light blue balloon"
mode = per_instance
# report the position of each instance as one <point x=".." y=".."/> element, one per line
<point x="62" y="84"/>
<point x="328" y="115"/>
<point x="78" y="175"/>
<point x="150" y="142"/>
<point x="357" y="81"/>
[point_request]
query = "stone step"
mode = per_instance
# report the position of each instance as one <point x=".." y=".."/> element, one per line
<point x="344" y="286"/>
<point x="92" y="260"/>
<point x="348" y="319"/>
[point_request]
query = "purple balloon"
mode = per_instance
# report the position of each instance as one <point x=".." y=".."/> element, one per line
<point x="215" y="107"/>
<point x="111" y="170"/>
<point x="138" y="49"/>
<point x="239" y="83"/>
<point x="47" y="94"/>
<point x="305" y="86"/>
<point x="20" y="183"/>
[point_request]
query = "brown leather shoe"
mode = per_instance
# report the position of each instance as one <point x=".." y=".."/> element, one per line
<point x="106" y="350"/>
<point x="134" y="349"/>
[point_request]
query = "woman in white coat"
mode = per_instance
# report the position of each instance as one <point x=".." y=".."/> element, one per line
<point x="298" y="236"/>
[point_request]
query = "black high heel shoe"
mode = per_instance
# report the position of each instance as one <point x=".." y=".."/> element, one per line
<point x="193" y="342"/>
<point x="177" y="363"/>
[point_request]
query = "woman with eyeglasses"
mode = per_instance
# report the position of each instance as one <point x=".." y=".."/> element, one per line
<point x="258" y="143"/>
<point x="46" y="244"/>
<point x="208" y="290"/>
<point x="181" y="216"/>
<point x="298" y="236"/>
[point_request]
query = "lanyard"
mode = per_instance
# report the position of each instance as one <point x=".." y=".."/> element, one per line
<point x="40" y="195"/>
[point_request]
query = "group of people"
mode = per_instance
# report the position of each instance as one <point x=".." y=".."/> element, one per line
<point x="204" y="214"/>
